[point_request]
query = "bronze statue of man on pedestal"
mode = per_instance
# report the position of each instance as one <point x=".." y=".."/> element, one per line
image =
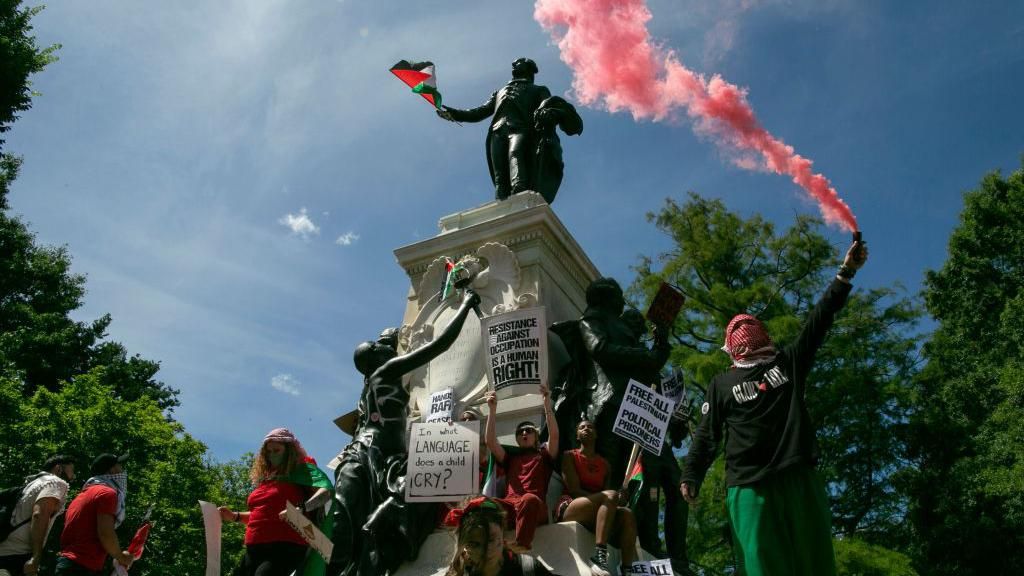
<point x="523" y="150"/>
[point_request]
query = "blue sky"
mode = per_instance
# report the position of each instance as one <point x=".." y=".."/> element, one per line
<point x="233" y="176"/>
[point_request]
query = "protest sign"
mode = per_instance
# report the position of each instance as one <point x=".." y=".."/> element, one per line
<point x="212" y="524"/>
<point x="666" y="305"/>
<point x="442" y="403"/>
<point x="643" y="417"/>
<point x="674" y="388"/>
<point x="309" y="532"/>
<point x="444" y="462"/>
<point x="517" y="351"/>
<point x="651" y="568"/>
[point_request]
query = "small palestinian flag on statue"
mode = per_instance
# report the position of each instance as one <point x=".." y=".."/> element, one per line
<point x="421" y="78"/>
<point x="447" y="281"/>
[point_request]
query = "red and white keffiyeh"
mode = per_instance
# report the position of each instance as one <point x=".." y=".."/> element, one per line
<point x="747" y="342"/>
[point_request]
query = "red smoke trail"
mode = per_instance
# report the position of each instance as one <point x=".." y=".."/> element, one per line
<point x="606" y="44"/>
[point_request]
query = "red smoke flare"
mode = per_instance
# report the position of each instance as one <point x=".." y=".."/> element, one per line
<point x="607" y="45"/>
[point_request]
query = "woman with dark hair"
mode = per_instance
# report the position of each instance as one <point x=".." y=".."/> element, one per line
<point x="480" y="543"/>
<point x="586" y="500"/>
<point x="282" y="473"/>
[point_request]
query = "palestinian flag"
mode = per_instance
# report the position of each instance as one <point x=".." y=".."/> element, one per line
<point x="448" y="281"/>
<point x="420" y="77"/>
<point x="635" y="484"/>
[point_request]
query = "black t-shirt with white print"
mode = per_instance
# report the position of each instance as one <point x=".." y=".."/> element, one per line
<point x="763" y="409"/>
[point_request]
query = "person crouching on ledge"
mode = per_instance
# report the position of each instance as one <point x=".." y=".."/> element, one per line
<point x="480" y="545"/>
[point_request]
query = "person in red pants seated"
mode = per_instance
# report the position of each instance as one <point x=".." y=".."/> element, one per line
<point x="528" y="467"/>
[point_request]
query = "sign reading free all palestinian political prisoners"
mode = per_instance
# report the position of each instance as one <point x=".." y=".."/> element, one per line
<point x="643" y="417"/>
<point x="444" y="462"/>
<point x="517" y="351"/>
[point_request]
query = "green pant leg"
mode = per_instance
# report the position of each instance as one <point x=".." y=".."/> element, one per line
<point x="762" y="536"/>
<point x="811" y="520"/>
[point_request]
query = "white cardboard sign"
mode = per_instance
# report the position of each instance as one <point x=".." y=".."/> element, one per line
<point x="442" y="404"/>
<point x="517" y="351"/>
<point x="651" y="568"/>
<point x="309" y="532"/>
<point x="212" y="524"/>
<point x="444" y="462"/>
<point x="643" y="417"/>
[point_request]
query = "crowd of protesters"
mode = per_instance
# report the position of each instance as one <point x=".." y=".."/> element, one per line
<point x="778" y="509"/>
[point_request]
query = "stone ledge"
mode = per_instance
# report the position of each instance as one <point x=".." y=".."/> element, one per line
<point x="565" y="548"/>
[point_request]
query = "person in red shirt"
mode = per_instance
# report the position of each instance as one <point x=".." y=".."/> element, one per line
<point x="528" y="468"/>
<point x="282" y="473"/>
<point x="586" y="500"/>
<point x="89" y="526"/>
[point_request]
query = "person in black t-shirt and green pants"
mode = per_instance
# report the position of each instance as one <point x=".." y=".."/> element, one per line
<point x="777" y="503"/>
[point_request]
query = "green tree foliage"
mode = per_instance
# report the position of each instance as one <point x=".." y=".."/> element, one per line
<point x="19" y="59"/>
<point x="858" y="558"/>
<point x="167" y="468"/>
<point x="968" y="485"/>
<point x="858" y="393"/>
<point x="64" y="389"/>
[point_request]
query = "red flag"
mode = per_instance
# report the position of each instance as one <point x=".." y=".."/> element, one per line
<point x="138" y="543"/>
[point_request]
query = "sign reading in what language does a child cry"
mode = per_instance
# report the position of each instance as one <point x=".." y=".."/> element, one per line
<point x="442" y="405"/>
<point x="444" y="461"/>
<point x="517" y="351"/>
<point x="643" y="416"/>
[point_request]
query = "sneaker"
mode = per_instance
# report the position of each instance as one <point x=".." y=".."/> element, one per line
<point x="599" y="563"/>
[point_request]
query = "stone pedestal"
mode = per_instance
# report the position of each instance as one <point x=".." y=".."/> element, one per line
<point x="525" y="257"/>
<point x="565" y="548"/>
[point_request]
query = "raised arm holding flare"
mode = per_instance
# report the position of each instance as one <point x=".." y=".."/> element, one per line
<point x="771" y="450"/>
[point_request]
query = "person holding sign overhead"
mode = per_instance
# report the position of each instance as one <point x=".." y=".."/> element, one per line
<point x="778" y="508"/>
<point x="528" y="467"/>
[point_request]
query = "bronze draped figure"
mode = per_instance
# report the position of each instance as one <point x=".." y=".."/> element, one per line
<point x="522" y="147"/>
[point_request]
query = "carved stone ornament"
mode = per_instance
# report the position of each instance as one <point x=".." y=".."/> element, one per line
<point x="494" y="272"/>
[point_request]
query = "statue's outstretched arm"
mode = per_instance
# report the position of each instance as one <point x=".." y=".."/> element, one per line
<point x="406" y="363"/>
<point x="482" y="112"/>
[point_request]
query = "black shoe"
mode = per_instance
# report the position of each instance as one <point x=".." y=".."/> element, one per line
<point x="599" y="563"/>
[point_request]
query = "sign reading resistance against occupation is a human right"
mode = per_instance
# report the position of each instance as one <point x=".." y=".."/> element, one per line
<point x="643" y="417"/>
<point x="517" y="351"/>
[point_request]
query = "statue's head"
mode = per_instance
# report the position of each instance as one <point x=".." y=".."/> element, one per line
<point x="369" y="356"/>
<point x="524" y="68"/>
<point x="606" y="294"/>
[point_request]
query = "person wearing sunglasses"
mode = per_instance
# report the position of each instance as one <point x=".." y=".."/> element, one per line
<point x="528" y="466"/>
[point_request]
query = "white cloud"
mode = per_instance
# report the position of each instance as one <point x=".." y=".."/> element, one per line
<point x="285" y="383"/>
<point x="300" y="224"/>
<point x="347" y="238"/>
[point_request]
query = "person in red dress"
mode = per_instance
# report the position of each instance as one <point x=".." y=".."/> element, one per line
<point x="528" y="467"/>
<point x="587" y="500"/>
<point x="282" y="474"/>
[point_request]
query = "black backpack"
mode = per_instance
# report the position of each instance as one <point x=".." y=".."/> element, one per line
<point x="9" y="498"/>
